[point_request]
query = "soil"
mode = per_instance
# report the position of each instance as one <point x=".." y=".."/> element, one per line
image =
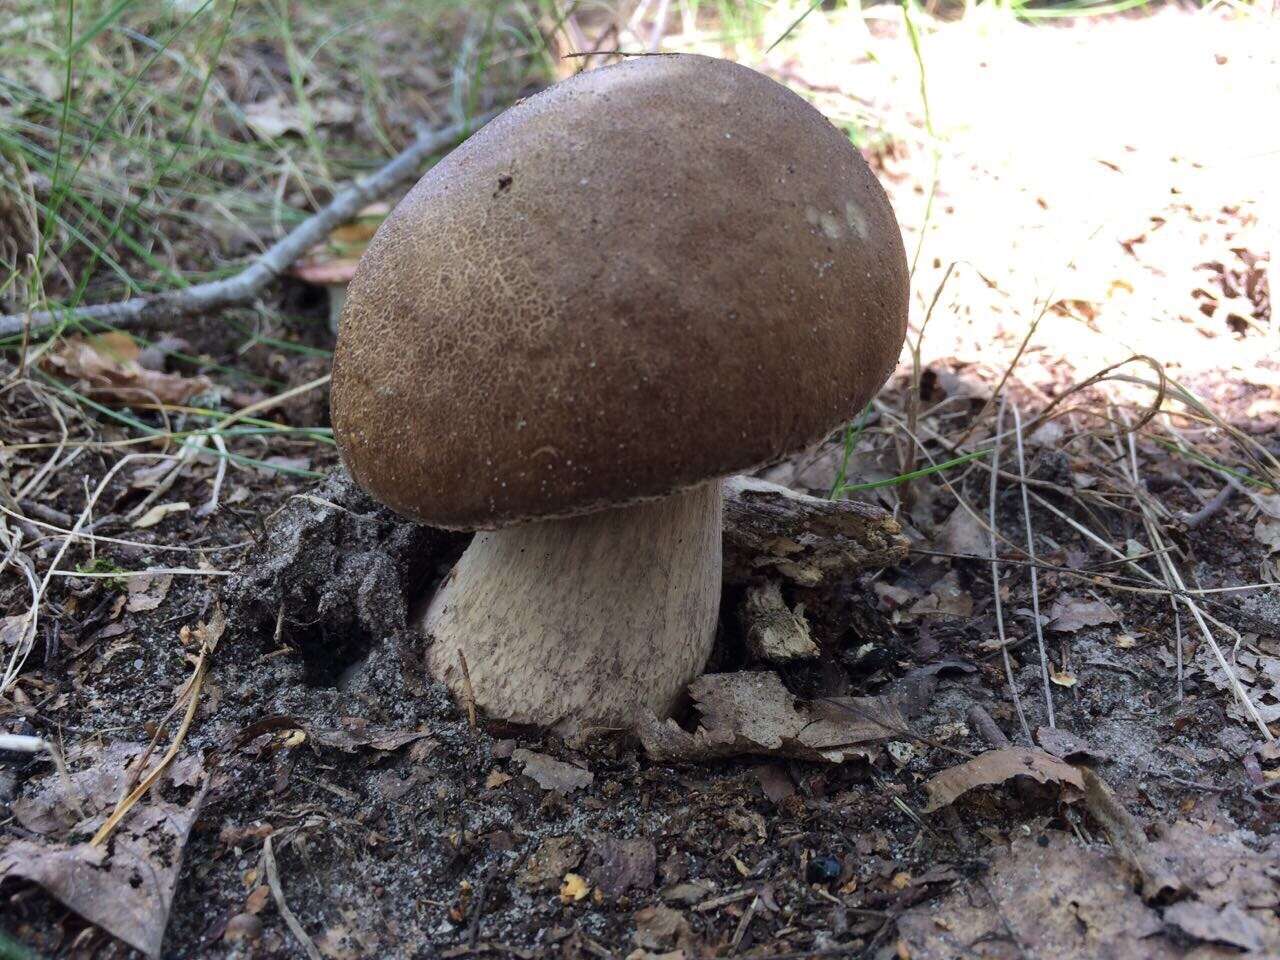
<point x="399" y="829"/>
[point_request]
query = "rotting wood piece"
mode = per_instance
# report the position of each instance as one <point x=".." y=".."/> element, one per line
<point x="770" y="529"/>
<point x="775" y="633"/>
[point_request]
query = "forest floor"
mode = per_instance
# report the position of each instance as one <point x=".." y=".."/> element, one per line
<point x="1081" y="761"/>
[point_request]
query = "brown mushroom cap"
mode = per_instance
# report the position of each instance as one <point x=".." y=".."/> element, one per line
<point x="644" y="277"/>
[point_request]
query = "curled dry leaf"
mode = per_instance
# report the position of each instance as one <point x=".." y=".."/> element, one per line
<point x="997" y="766"/>
<point x="105" y="370"/>
<point x="753" y="713"/>
<point x="357" y="734"/>
<point x="159" y="512"/>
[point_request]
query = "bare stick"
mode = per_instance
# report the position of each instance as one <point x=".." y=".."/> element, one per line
<point x="248" y="283"/>
<point x="1035" y="581"/>
<point x="277" y="891"/>
<point x="995" y="578"/>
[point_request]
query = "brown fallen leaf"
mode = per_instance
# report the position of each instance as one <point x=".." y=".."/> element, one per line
<point x="1066" y="745"/>
<point x="1229" y="924"/>
<point x="1044" y="896"/>
<point x="127" y="891"/>
<point x="56" y="804"/>
<point x="752" y="713"/>
<point x="554" y="857"/>
<point x="552" y="774"/>
<point x="104" y="371"/>
<point x="357" y="734"/>
<point x="1069" y="614"/>
<point x="147" y="592"/>
<point x="995" y="767"/>
<point x="615" y="866"/>
<point x="659" y="928"/>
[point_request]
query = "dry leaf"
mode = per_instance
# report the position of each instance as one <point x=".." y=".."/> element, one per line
<point x="55" y="804"/>
<point x="660" y="928"/>
<point x="553" y="858"/>
<point x="552" y="774"/>
<point x="1230" y="924"/>
<point x="273" y="118"/>
<point x="148" y="592"/>
<point x="159" y="512"/>
<point x="495" y="779"/>
<point x="102" y="370"/>
<point x="619" y="865"/>
<point x="1069" y="614"/>
<point x="753" y="713"/>
<point x="1060" y="900"/>
<point x="126" y="888"/>
<point x="1066" y="745"/>
<point x="1267" y="533"/>
<point x="995" y="767"/>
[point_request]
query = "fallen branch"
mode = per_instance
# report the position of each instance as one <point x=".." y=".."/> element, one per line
<point x="249" y="282"/>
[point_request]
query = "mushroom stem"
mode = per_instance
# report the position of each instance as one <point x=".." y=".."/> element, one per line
<point x="584" y="622"/>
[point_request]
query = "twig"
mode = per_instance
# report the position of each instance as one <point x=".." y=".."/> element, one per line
<point x="747" y="916"/>
<point x="1220" y="500"/>
<point x="273" y="881"/>
<point x="995" y="578"/>
<point x="122" y="809"/>
<point x="1035" y="582"/>
<point x="1177" y="637"/>
<point x="986" y="727"/>
<point x="20" y="743"/>
<point x="248" y="283"/>
<point x="478" y="904"/>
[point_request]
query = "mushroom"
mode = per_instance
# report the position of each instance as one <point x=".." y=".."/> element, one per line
<point x="623" y="289"/>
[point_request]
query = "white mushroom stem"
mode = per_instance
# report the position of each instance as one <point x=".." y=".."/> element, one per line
<point x="585" y="622"/>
